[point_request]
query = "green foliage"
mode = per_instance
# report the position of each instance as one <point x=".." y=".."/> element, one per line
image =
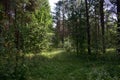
<point x="75" y="22"/>
<point x="62" y="65"/>
<point x="25" y="29"/>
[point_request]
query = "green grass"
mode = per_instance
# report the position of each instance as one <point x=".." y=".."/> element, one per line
<point x="61" y="65"/>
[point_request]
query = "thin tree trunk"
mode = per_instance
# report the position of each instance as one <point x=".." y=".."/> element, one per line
<point x="76" y="34"/>
<point x="102" y="25"/>
<point x="88" y="28"/>
<point x="63" y="24"/>
<point x="96" y="30"/>
<point x="118" y="27"/>
<point x="16" y="42"/>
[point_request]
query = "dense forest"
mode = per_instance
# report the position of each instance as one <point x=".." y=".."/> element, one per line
<point x="79" y="40"/>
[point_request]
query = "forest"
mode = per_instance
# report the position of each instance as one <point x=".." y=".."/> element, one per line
<point x="78" y="40"/>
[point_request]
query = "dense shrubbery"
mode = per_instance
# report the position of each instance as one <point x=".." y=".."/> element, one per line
<point x="24" y="28"/>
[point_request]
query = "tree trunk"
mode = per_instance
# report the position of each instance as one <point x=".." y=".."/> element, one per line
<point x="102" y="25"/>
<point x="88" y="28"/>
<point x="63" y="24"/>
<point x="96" y="30"/>
<point x="118" y="27"/>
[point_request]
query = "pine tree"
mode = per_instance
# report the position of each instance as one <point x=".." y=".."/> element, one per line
<point x="88" y="28"/>
<point x="118" y="27"/>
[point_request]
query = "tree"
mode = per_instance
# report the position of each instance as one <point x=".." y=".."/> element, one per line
<point x="58" y="21"/>
<point x="118" y="26"/>
<point x="88" y="27"/>
<point x="102" y="25"/>
<point x="24" y="28"/>
<point x="63" y="21"/>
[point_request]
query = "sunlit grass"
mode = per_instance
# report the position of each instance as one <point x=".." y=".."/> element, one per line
<point x="110" y="49"/>
<point x="46" y="54"/>
<point x="52" y="53"/>
<point x="60" y="65"/>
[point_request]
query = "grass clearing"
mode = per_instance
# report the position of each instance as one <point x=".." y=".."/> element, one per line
<point x="61" y="65"/>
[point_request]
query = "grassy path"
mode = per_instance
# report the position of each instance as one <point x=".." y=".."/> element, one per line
<point x="60" y="65"/>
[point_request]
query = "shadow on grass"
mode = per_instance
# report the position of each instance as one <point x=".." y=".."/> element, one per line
<point x="67" y="66"/>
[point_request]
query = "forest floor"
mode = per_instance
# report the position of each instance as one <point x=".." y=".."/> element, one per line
<point x="62" y="65"/>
